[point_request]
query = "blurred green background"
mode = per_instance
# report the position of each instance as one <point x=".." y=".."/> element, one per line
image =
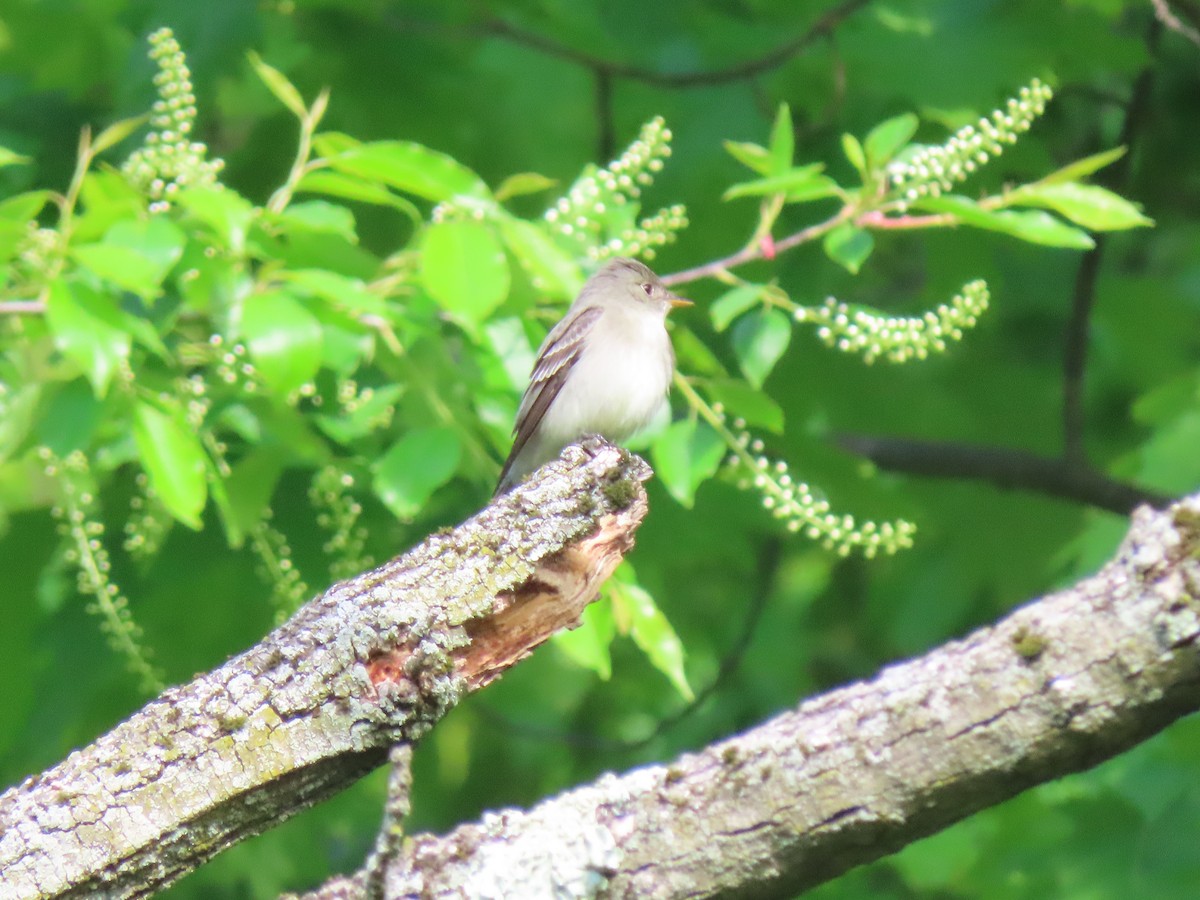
<point x="509" y="86"/>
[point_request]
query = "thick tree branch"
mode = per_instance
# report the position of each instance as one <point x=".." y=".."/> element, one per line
<point x="373" y="662"/>
<point x="848" y="777"/>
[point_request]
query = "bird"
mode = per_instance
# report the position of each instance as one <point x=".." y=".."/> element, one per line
<point x="604" y="369"/>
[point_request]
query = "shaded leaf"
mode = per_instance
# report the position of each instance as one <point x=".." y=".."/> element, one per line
<point x="115" y="133"/>
<point x="550" y="269"/>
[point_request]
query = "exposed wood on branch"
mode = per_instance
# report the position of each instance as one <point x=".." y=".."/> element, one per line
<point x="376" y="660"/>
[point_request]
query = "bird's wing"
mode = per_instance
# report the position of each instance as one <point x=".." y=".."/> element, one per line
<point x="557" y="355"/>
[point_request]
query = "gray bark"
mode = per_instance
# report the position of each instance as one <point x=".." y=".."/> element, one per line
<point x="850" y="776"/>
<point x="373" y="662"/>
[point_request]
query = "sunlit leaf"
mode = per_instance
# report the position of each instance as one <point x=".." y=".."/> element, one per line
<point x="277" y="83"/>
<point x="854" y="152"/>
<point x="411" y="168"/>
<point x="886" y="138"/>
<point x="523" y="183"/>
<point x="849" y="246"/>
<point x="804" y="183"/>
<point x="743" y="401"/>
<point x="636" y="612"/>
<point x="752" y="156"/>
<point x="759" y="338"/>
<point x="1082" y="168"/>
<point x="172" y="456"/>
<point x="464" y="268"/>
<point x="1091" y="206"/>
<point x="1034" y="226"/>
<point x="590" y="644"/>
<point x="550" y="269"/>
<point x="783" y="141"/>
<point x="686" y="453"/>
<point x="115" y="133"/>
<point x="88" y="328"/>
<point x="416" y="466"/>
<point x="733" y="303"/>
<point x="284" y="339"/>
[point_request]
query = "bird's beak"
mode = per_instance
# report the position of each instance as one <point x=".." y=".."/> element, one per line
<point x="677" y="302"/>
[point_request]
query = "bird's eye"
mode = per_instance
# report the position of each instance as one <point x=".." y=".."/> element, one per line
<point x="648" y="288"/>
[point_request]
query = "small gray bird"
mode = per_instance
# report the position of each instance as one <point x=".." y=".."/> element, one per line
<point x="604" y="369"/>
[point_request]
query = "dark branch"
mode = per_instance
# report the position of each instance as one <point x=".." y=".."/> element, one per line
<point x="1004" y="468"/>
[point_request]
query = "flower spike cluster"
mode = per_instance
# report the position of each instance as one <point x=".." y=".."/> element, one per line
<point x="898" y="339"/>
<point x="592" y="207"/>
<point x="932" y="171"/>
<point x="169" y="160"/>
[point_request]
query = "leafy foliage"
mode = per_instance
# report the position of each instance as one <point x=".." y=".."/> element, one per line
<point x="308" y="356"/>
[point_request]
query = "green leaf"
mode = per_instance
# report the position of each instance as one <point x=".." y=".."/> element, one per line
<point x="319" y="215"/>
<point x="174" y="459"/>
<point x="247" y="491"/>
<point x="226" y="212"/>
<point x="686" y="454"/>
<point x="523" y="183"/>
<point x="745" y="402"/>
<point x="1034" y="226"/>
<point x="759" y="338"/>
<point x="804" y="183"/>
<point x="589" y="645"/>
<point x="636" y="611"/>
<point x="343" y="292"/>
<point x="855" y="153"/>
<point x="411" y="168"/>
<point x="11" y="158"/>
<point x="733" y="303"/>
<point x="122" y="266"/>
<point x="88" y="328"/>
<point x="783" y="141"/>
<point x="277" y="83"/>
<point x="284" y="339"/>
<point x="416" y="466"/>
<point x="888" y="137"/>
<point x="849" y="246"/>
<point x="364" y="417"/>
<point x="464" y="269"/>
<point x="550" y="269"/>
<point x="351" y="187"/>
<point x="1093" y="207"/>
<point x="752" y="156"/>
<point x="115" y="133"/>
<point x="1082" y="168"/>
<point x="15" y="215"/>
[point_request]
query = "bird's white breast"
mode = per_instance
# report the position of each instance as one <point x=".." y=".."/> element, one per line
<point x="619" y="384"/>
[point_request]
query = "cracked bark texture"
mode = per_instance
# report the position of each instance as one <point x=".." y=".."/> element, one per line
<point x="850" y="776"/>
<point x="374" y="661"/>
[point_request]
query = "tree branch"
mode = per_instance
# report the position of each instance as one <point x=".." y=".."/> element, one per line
<point x="1004" y="468"/>
<point x="850" y="776"/>
<point x="373" y="662"/>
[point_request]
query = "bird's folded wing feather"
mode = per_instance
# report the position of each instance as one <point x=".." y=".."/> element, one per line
<point x="558" y="354"/>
